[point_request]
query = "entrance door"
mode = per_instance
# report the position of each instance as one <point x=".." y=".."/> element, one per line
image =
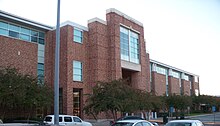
<point x="77" y="102"/>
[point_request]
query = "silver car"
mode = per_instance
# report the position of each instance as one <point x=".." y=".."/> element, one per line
<point x="132" y="123"/>
<point x="185" y="123"/>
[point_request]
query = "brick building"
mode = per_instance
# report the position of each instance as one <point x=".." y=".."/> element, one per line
<point x="102" y="51"/>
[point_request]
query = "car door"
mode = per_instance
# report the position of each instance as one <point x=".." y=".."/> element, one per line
<point x="68" y="121"/>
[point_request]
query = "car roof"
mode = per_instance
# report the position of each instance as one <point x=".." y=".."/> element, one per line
<point x="60" y="115"/>
<point x="191" y="121"/>
<point x="132" y="121"/>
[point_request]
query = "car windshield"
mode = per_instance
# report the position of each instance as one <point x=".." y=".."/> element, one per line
<point x="123" y="124"/>
<point x="48" y="119"/>
<point x="178" y="124"/>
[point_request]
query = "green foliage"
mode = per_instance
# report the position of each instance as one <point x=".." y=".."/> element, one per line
<point x="180" y="102"/>
<point x="118" y="96"/>
<point x="21" y="92"/>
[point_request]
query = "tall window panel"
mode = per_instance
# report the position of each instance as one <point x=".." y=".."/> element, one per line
<point x="77" y="71"/>
<point x="40" y="73"/>
<point x="129" y="45"/>
<point x="77" y="35"/>
<point x="124" y="43"/>
<point x="134" y="47"/>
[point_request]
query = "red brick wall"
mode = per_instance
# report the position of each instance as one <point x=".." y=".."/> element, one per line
<point x="139" y="79"/>
<point x="185" y="87"/>
<point x="69" y="51"/>
<point x="174" y="86"/>
<point x="98" y="47"/>
<point x="159" y="84"/>
<point x="26" y="62"/>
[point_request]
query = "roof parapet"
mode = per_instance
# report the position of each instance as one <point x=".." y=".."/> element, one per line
<point x="74" y="25"/>
<point x="124" y="15"/>
<point x="98" y="20"/>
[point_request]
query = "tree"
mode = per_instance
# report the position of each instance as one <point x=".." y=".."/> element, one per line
<point x="111" y="96"/>
<point x="21" y="93"/>
<point x="117" y="96"/>
<point x="179" y="102"/>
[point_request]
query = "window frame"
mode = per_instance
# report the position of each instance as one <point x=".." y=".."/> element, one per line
<point x="20" y="33"/>
<point x="74" y="68"/>
<point x="77" y="36"/>
<point x="132" y="43"/>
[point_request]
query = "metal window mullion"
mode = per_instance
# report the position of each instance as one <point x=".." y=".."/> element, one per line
<point x="129" y="45"/>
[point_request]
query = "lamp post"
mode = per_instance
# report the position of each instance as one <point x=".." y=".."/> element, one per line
<point x="57" y="64"/>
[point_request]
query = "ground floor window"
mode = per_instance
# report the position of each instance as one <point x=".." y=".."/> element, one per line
<point x="77" y="101"/>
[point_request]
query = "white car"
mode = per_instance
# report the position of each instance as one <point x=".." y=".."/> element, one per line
<point x="66" y="120"/>
<point x="132" y="123"/>
<point x="185" y="123"/>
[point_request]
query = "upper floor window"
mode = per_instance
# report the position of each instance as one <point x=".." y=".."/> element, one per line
<point x="176" y="74"/>
<point x="161" y="70"/>
<point x="40" y="72"/>
<point x="21" y="32"/>
<point x="186" y="77"/>
<point x="129" y="44"/>
<point x="77" y="35"/>
<point x="77" y="71"/>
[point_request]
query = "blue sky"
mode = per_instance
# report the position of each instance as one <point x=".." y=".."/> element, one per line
<point x="182" y="33"/>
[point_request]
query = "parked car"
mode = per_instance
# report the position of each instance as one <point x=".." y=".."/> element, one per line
<point x="132" y="123"/>
<point x="131" y="118"/>
<point x="185" y="123"/>
<point x="66" y="120"/>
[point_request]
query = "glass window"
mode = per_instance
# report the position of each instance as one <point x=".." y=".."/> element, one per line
<point x="33" y="39"/>
<point x="21" y="32"/>
<point x="138" y="124"/>
<point x="77" y="35"/>
<point x="3" y="25"/>
<point x="129" y="45"/>
<point x="24" y="37"/>
<point x="146" y="124"/>
<point x="3" y="32"/>
<point x="41" y="41"/>
<point x="25" y="31"/>
<point x="186" y="77"/>
<point x="14" y="28"/>
<point x="77" y="71"/>
<point x="48" y="119"/>
<point x="176" y="74"/>
<point x="14" y="34"/>
<point x="60" y="119"/>
<point x="34" y="33"/>
<point x="67" y="119"/>
<point x="76" y="119"/>
<point x="41" y="35"/>
<point x="40" y="66"/>
<point x="161" y="70"/>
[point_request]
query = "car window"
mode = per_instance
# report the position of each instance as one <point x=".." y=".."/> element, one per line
<point x="67" y="119"/>
<point x="138" y="124"/>
<point x="60" y="119"/>
<point x="48" y="119"/>
<point x="76" y="119"/>
<point x="146" y="124"/>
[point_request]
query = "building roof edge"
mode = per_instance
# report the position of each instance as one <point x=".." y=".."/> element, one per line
<point x="98" y="20"/>
<point x="174" y="68"/>
<point x="124" y="15"/>
<point x="24" y="20"/>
